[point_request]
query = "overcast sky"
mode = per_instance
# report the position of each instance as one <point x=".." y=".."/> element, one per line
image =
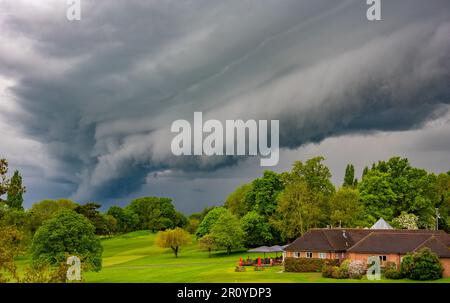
<point x="86" y="106"/>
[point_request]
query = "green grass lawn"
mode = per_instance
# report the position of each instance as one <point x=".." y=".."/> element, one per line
<point x="133" y="257"/>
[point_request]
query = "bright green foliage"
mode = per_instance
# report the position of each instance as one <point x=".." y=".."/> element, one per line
<point x="15" y="191"/>
<point x="154" y="213"/>
<point x="349" y="178"/>
<point x="209" y="220"/>
<point x="256" y="230"/>
<point x="235" y="202"/>
<point x="227" y="232"/>
<point x="314" y="173"/>
<point x="377" y="196"/>
<point x="126" y="219"/>
<point x="394" y="186"/>
<point x="346" y="209"/>
<point x="263" y="193"/>
<point x="64" y="235"/>
<point x="298" y="210"/>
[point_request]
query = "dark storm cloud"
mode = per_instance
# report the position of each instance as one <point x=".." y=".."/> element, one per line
<point x="100" y="94"/>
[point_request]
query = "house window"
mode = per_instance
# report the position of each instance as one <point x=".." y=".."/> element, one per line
<point x="382" y="258"/>
<point x="322" y="255"/>
<point x="296" y="254"/>
<point x="309" y="254"/>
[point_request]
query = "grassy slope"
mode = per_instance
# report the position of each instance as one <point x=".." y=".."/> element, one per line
<point x="134" y="258"/>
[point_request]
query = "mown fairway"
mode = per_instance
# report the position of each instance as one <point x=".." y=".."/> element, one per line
<point x="134" y="258"/>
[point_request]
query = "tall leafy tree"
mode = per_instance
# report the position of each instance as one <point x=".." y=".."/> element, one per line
<point x="298" y="210"/>
<point x="154" y="213"/>
<point x="256" y="230"/>
<point x="235" y="202"/>
<point x="377" y="196"/>
<point x="209" y="220"/>
<point x="66" y="234"/>
<point x="227" y="232"/>
<point x="346" y="209"/>
<point x="316" y="176"/>
<point x="15" y="191"/>
<point x="126" y="219"/>
<point x="393" y="186"/>
<point x="263" y="193"/>
<point x="314" y="173"/>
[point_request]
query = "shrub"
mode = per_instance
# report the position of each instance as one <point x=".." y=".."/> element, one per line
<point x="307" y="264"/>
<point x="345" y="264"/>
<point x="258" y="268"/>
<point x="425" y="266"/>
<point x="406" y="265"/>
<point x="339" y="272"/>
<point x="393" y="274"/>
<point x="327" y="271"/>
<point x="348" y="269"/>
<point x="239" y="269"/>
<point x="391" y="265"/>
<point x="356" y="269"/>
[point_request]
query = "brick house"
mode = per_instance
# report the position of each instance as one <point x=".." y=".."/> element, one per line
<point x="390" y="245"/>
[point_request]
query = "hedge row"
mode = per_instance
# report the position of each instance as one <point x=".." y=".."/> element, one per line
<point x="307" y="264"/>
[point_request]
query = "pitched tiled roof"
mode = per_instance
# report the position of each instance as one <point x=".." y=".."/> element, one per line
<point x="436" y="246"/>
<point x="380" y="242"/>
<point x="332" y="239"/>
<point x="372" y="241"/>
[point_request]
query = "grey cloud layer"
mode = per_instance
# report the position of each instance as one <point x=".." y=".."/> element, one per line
<point x="100" y="94"/>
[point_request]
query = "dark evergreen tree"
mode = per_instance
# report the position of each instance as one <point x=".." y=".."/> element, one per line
<point x="349" y="178"/>
<point x="365" y="171"/>
<point x="15" y="191"/>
